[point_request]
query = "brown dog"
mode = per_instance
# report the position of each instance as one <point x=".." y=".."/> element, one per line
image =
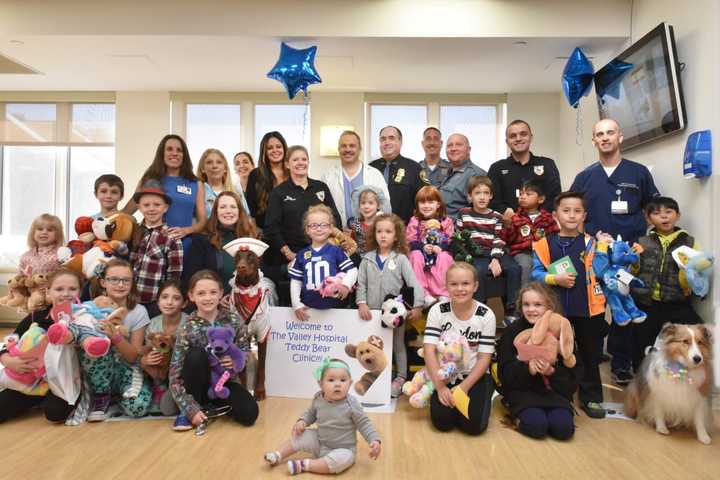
<point x="250" y="298"/>
<point x="162" y="343"/>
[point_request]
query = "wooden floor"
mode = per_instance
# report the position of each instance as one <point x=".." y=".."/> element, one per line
<point x="612" y="449"/>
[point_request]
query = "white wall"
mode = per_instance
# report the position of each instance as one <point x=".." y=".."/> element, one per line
<point x="541" y="112"/>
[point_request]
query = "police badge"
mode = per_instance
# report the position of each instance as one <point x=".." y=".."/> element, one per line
<point x="320" y="195"/>
<point x="539" y="169"/>
<point x="399" y="175"/>
<point x="525" y="230"/>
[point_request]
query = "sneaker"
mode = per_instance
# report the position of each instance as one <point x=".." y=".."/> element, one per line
<point x="593" y="410"/>
<point x="621" y="377"/>
<point x="182" y="423"/>
<point x="396" y="387"/>
<point x="98" y="412"/>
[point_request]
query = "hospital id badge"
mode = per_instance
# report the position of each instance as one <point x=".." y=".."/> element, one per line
<point x="619" y="207"/>
<point x="184" y="189"/>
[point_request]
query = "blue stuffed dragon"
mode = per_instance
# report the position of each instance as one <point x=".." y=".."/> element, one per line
<point x="617" y="281"/>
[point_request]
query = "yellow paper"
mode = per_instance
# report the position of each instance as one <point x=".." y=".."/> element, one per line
<point x="462" y="401"/>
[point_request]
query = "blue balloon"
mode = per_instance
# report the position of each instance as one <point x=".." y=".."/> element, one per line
<point x="608" y="79"/>
<point x="577" y="77"/>
<point x="295" y="69"/>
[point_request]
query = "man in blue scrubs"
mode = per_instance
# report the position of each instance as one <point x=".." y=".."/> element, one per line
<point x="616" y="190"/>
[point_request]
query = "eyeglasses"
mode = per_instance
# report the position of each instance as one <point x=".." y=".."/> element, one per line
<point x="119" y="281"/>
<point x="315" y="226"/>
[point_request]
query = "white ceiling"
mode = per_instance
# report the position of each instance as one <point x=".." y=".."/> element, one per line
<point x="239" y="63"/>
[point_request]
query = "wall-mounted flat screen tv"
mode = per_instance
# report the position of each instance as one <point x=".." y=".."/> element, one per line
<point x="641" y="89"/>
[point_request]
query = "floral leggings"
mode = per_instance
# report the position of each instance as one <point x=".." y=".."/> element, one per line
<point x="111" y="375"/>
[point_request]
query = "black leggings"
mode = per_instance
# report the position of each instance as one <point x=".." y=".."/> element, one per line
<point x="446" y="418"/>
<point x="196" y="375"/>
<point x="13" y="404"/>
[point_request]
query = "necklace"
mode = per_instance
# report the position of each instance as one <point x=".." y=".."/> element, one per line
<point x="677" y="371"/>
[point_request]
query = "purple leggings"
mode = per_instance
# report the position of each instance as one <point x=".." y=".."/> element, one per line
<point x="538" y="422"/>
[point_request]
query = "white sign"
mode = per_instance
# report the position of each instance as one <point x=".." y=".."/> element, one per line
<point x="295" y="349"/>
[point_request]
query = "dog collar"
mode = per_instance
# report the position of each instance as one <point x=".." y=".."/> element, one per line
<point x="677" y="371"/>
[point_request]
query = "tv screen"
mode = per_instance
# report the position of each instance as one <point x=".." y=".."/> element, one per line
<point x="641" y="89"/>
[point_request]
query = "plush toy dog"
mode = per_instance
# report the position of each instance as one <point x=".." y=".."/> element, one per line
<point x="370" y="355"/>
<point x="163" y="344"/>
<point x="453" y="355"/>
<point x="697" y="266"/>
<point x="346" y="242"/>
<point x="250" y="298"/>
<point x="31" y="345"/>
<point x="221" y="344"/>
<point x="18" y="294"/>
<point x="433" y="236"/>
<point x="81" y="325"/>
<point x="617" y="282"/>
<point x="37" y="285"/>
<point x="394" y="311"/>
<point x="552" y="335"/>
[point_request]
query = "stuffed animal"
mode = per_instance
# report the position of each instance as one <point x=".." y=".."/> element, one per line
<point x="453" y="355"/>
<point x="251" y="298"/>
<point x="86" y="237"/>
<point x="220" y="344"/>
<point x="369" y="353"/>
<point x="433" y="236"/>
<point x="393" y="311"/>
<point x="552" y="335"/>
<point x="18" y="294"/>
<point x="163" y="344"/>
<point x="330" y="287"/>
<point x="37" y="285"/>
<point x="346" y="242"/>
<point x="31" y="345"/>
<point x="617" y="281"/>
<point x="463" y="247"/>
<point x="697" y="266"/>
<point x="81" y="325"/>
<point x="110" y="238"/>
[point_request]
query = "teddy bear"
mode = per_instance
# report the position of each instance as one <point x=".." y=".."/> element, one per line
<point x="32" y="345"/>
<point x="162" y="343"/>
<point x="330" y="287"/>
<point x="453" y="355"/>
<point x="369" y="353"/>
<point x="463" y="247"/>
<point x="697" y="266"/>
<point x="617" y="282"/>
<point x="81" y="324"/>
<point x="344" y="241"/>
<point x="393" y="311"/>
<point x="552" y="335"/>
<point x="18" y="294"/>
<point x="433" y="236"/>
<point x="37" y="285"/>
<point x="220" y="344"/>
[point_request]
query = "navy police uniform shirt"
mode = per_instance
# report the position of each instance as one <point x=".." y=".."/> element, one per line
<point x="403" y="184"/>
<point x="508" y="175"/>
<point x="312" y="267"/>
<point x="631" y="182"/>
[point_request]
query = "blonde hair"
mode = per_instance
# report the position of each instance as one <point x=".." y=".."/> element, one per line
<point x="462" y="266"/>
<point x="549" y="297"/>
<point x="320" y="208"/>
<point x="227" y="180"/>
<point x="53" y="222"/>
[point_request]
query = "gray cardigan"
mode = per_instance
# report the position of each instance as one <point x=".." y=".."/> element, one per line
<point x="374" y="285"/>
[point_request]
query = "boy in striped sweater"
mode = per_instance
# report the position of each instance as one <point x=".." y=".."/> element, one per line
<point x="486" y="232"/>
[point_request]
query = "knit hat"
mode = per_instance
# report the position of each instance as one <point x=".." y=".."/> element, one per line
<point x="152" y="187"/>
<point x="383" y="201"/>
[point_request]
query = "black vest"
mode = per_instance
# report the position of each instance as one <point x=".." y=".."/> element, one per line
<point x="656" y="268"/>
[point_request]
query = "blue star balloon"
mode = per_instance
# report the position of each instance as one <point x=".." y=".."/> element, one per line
<point x="577" y="77"/>
<point x="608" y="79"/>
<point x="295" y="69"/>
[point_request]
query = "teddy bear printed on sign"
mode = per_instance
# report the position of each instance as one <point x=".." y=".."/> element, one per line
<point x="371" y="356"/>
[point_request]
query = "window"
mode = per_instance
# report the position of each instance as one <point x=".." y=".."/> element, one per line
<point x="213" y="126"/>
<point x="410" y="119"/>
<point x="50" y="156"/>
<point x="477" y="122"/>
<point x="292" y="121"/>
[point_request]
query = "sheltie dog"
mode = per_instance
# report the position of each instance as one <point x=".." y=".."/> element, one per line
<point x="673" y="386"/>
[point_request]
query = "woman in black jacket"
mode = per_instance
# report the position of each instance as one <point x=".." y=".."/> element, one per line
<point x="538" y="394"/>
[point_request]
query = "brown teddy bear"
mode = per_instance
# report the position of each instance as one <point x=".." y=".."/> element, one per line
<point x="18" y="294"/>
<point x="162" y="343"/>
<point x="552" y="335"/>
<point x="370" y="355"/>
<point x="37" y="285"/>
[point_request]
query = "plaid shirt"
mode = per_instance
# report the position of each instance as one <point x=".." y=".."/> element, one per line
<point x="155" y="259"/>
